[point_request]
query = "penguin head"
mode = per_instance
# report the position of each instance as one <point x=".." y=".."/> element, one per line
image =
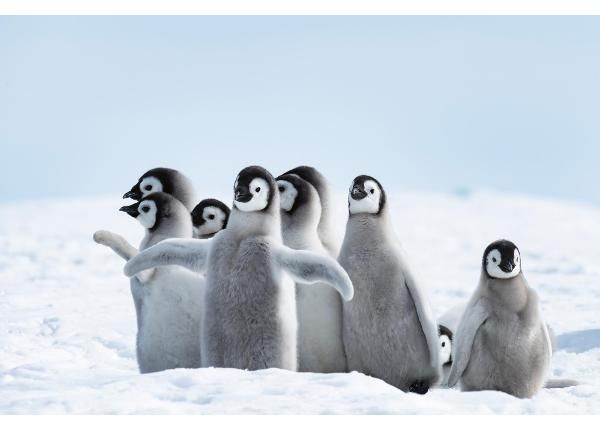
<point x="310" y="175"/>
<point x="366" y="196"/>
<point x="161" y="179"/>
<point x="445" y="336"/>
<point x="156" y="210"/>
<point x="502" y="260"/>
<point x="294" y="192"/>
<point x="209" y="217"/>
<point x="254" y="189"/>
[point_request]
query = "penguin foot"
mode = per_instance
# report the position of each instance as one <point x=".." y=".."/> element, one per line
<point x="419" y="387"/>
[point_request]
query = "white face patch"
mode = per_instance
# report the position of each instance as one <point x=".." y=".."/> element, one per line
<point x="214" y="218"/>
<point x="259" y="188"/>
<point x="150" y="185"/>
<point x="492" y="266"/>
<point x="445" y="349"/>
<point x="147" y="213"/>
<point x="288" y="194"/>
<point x="368" y="204"/>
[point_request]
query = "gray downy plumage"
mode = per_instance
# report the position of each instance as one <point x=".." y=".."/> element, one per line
<point x="389" y="331"/>
<point x="169" y="299"/>
<point x="162" y="179"/>
<point x="502" y="343"/>
<point x="319" y="308"/>
<point x="326" y="229"/>
<point x="250" y="319"/>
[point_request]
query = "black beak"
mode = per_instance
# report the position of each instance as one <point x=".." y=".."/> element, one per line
<point x="358" y="192"/>
<point x="131" y="210"/>
<point x="242" y="195"/>
<point x="507" y="266"/>
<point x="134" y="193"/>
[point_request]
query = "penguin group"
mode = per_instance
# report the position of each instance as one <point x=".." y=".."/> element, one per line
<point x="265" y="283"/>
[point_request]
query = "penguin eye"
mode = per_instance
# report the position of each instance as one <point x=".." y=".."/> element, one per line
<point x="494" y="259"/>
<point x="145" y="209"/>
<point x="148" y="187"/>
<point x="281" y="189"/>
<point x="372" y="191"/>
<point x="443" y="344"/>
<point x="257" y="189"/>
<point x="211" y="216"/>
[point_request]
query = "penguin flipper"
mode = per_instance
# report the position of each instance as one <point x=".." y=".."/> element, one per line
<point x="117" y="243"/>
<point x="473" y="317"/>
<point x="428" y="323"/>
<point x="309" y="268"/>
<point x="189" y="253"/>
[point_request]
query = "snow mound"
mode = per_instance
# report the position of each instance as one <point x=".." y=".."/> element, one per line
<point x="67" y="323"/>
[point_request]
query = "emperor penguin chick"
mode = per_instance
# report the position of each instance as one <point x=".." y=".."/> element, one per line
<point x="162" y="179"/>
<point x="501" y="342"/>
<point x="326" y="228"/>
<point x="320" y="346"/>
<point x="250" y="319"/>
<point x="168" y="300"/>
<point x="209" y="217"/>
<point x="389" y="331"/>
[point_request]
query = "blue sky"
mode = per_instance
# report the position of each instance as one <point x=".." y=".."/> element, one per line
<point x="87" y="104"/>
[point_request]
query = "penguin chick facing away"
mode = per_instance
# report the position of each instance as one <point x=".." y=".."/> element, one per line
<point x="501" y="342"/>
<point x="388" y="328"/>
<point x="250" y="320"/>
<point x="209" y="217"/>
<point x="168" y="300"/>
<point x="320" y="346"/>
<point x="326" y="227"/>
<point x="162" y="179"/>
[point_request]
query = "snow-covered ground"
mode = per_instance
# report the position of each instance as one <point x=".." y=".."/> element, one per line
<point x="67" y="325"/>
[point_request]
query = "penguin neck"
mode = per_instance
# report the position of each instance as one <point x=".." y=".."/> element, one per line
<point x="366" y="227"/>
<point x="299" y="229"/>
<point x="184" y="192"/>
<point x="256" y="223"/>
<point x="173" y="228"/>
<point x="510" y="292"/>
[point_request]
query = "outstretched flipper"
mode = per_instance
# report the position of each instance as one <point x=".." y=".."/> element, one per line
<point x="428" y="323"/>
<point x="117" y="243"/>
<point x="189" y="253"/>
<point x="308" y="268"/>
<point x="123" y="249"/>
<point x="473" y="317"/>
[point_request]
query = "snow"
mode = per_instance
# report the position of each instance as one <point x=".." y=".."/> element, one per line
<point x="67" y="324"/>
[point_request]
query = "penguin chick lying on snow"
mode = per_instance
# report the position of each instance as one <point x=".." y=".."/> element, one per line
<point x="168" y="300"/>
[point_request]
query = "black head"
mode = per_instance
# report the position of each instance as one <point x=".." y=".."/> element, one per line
<point x="445" y="336"/>
<point x="294" y="192"/>
<point x="310" y="175"/>
<point x="152" y="210"/>
<point x="501" y="260"/>
<point x="210" y="216"/>
<point x="160" y="179"/>
<point x="254" y="189"/>
<point x="366" y="195"/>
